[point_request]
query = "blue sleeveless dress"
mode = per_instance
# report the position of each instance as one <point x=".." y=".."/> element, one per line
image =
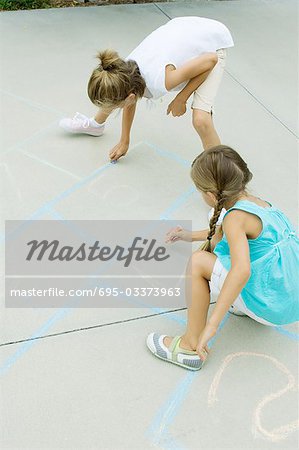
<point x="272" y="291"/>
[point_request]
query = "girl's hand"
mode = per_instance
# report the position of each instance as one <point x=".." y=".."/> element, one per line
<point x="177" y="107"/>
<point x="202" y="348"/>
<point x="118" y="151"/>
<point x="178" y="234"/>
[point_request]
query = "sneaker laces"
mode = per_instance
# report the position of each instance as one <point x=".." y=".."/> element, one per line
<point x="80" y="119"/>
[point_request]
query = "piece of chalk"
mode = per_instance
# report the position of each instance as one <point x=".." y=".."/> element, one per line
<point x="114" y="161"/>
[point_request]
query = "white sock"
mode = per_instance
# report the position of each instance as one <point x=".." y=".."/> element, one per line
<point x="94" y="123"/>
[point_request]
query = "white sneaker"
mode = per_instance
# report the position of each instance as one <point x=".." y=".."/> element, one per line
<point x="82" y="124"/>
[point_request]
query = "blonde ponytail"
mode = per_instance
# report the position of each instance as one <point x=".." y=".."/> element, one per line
<point x="109" y="59"/>
<point x="113" y="80"/>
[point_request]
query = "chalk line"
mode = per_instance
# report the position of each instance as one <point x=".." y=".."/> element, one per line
<point x="158" y="430"/>
<point x="277" y="434"/>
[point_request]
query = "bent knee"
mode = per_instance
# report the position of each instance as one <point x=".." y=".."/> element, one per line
<point x="198" y="260"/>
<point x="201" y="120"/>
<point x="202" y="263"/>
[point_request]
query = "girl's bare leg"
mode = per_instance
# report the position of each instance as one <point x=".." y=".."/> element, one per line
<point x="102" y="116"/>
<point x="200" y="269"/>
<point x="203" y="124"/>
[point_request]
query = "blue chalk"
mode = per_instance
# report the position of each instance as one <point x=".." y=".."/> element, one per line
<point x="113" y="162"/>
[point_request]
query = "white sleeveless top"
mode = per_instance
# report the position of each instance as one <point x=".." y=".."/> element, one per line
<point x="176" y="42"/>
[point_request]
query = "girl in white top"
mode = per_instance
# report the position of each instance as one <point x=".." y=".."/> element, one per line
<point x="186" y="56"/>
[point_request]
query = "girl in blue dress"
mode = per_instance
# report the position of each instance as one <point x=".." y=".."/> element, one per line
<point x="250" y="263"/>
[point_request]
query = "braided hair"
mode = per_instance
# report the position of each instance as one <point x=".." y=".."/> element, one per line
<point x="221" y="171"/>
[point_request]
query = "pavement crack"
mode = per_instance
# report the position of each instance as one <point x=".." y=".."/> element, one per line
<point x="260" y="103"/>
<point x="76" y="330"/>
<point x="163" y="12"/>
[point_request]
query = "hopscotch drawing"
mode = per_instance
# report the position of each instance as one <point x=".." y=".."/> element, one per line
<point x="276" y="434"/>
<point x="85" y="378"/>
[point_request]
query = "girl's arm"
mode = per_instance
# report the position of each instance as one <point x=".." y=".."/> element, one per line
<point x="202" y="66"/>
<point x="203" y="234"/>
<point x="189" y="70"/>
<point x="193" y="84"/>
<point x="178" y="106"/>
<point x="199" y="235"/>
<point x="127" y="119"/>
<point x="234" y="227"/>
<point x="237" y="277"/>
<point x="179" y="234"/>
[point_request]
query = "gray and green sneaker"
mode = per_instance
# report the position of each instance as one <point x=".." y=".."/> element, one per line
<point x="174" y="353"/>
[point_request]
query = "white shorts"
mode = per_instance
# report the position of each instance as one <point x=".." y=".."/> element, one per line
<point x="217" y="279"/>
<point x="204" y="96"/>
